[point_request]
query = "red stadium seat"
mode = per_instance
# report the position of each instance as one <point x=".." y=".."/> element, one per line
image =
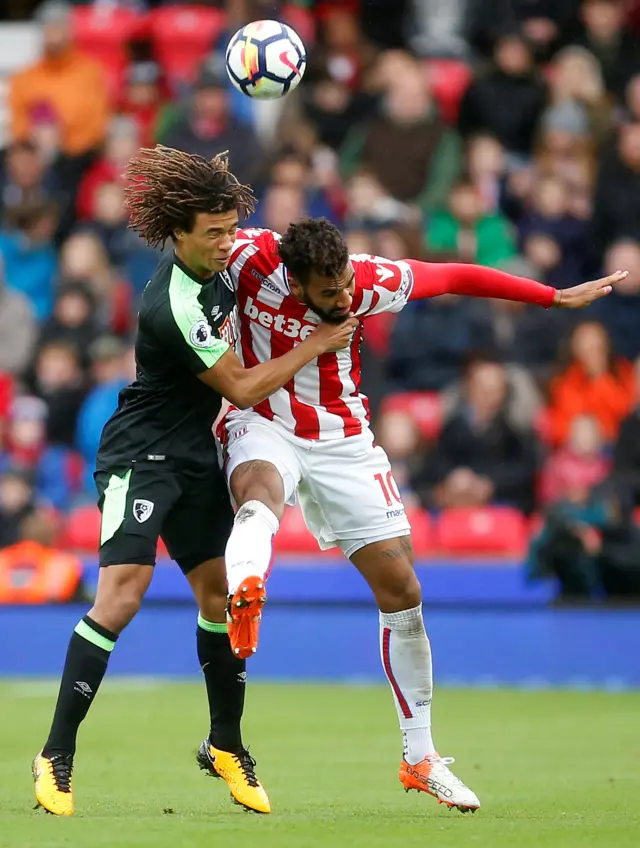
<point x="482" y="530"/>
<point x="7" y="387"/>
<point x="82" y="532"/>
<point x="104" y="33"/>
<point x="426" y="409"/>
<point x="422" y="534"/>
<point x="183" y="36"/>
<point x="449" y="79"/>
<point x="293" y="537"/>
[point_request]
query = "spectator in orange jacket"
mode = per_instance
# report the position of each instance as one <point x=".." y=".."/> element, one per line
<point x="596" y="382"/>
<point x="67" y="87"/>
<point x="32" y="571"/>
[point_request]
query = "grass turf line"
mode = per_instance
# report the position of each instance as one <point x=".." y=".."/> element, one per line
<point x="551" y="768"/>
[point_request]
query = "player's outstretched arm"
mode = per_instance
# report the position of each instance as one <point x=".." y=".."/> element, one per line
<point x="246" y="387"/>
<point x="431" y="279"/>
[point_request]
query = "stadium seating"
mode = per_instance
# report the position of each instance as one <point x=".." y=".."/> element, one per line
<point x="104" y="32"/>
<point x="294" y="536"/>
<point x="426" y="409"/>
<point x="82" y="533"/>
<point x="182" y="36"/>
<point x="422" y="533"/>
<point x="482" y="530"/>
<point x="449" y="80"/>
<point x="6" y="393"/>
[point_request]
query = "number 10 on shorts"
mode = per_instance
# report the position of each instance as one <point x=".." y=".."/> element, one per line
<point x="389" y="488"/>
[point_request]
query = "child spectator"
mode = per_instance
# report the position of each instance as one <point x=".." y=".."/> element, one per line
<point x="84" y="259"/>
<point x="55" y="470"/>
<point x="73" y="320"/>
<point x="549" y="216"/>
<point x="487" y="167"/>
<point x="26" y="246"/>
<point x="59" y="382"/>
<point x="466" y="233"/>
<point x="580" y="464"/>
<point x="123" y="140"/>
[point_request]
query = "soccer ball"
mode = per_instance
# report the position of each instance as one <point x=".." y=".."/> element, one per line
<point x="265" y="59"/>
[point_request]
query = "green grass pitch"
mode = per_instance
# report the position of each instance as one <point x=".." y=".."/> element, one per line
<point x="551" y="769"/>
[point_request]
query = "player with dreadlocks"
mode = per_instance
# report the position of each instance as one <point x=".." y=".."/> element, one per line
<point x="157" y="473"/>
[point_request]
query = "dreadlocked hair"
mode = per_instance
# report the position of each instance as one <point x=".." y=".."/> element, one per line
<point x="166" y="188"/>
<point x="313" y="244"/>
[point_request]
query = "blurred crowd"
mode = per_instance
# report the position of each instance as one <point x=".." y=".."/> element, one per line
<point x="497" y="132"/>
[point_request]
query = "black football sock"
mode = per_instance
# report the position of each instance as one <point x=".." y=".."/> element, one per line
<point x="84" y="668"/>
<point x="225" y="677"/>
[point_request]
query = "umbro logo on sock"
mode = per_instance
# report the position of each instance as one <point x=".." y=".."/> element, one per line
<point x="83" y="688"/>
<point x="242" y="677"/>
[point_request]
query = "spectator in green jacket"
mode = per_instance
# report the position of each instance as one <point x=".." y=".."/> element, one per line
<point x="464" y="232"/>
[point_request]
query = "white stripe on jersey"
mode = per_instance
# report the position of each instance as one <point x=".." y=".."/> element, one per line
<point x="274" y="322"/>
<point x="279" y="401"/>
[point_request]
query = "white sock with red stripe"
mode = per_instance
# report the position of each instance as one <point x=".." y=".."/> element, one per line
<point x="248" y="550"/>
<point x="406" y="659"/>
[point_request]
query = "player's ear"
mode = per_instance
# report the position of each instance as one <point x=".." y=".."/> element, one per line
<point x="178" y="235"/>
<point x="295" y="285"/>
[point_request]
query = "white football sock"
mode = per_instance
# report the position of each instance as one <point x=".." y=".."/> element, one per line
<point x="248" y="550"/>
<point x="406" y="658"/>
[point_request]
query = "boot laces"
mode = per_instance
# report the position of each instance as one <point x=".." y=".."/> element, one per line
<point x="248" y="764"/>
<point x="62" y="767"/>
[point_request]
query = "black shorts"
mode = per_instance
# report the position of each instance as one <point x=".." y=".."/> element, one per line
<point x="189" y="508"/>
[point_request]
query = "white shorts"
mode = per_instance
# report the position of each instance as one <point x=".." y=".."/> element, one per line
<point x="347" y="493"/>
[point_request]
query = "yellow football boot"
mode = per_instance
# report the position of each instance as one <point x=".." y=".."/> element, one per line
<point x="238" y="772"/>
<point x="52" y="779"/>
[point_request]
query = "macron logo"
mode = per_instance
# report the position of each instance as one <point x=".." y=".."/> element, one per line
<point x="290" y="327"/>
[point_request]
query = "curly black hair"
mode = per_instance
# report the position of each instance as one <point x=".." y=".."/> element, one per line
<point x="313" y="244"/>
<point x="166" y="189"/>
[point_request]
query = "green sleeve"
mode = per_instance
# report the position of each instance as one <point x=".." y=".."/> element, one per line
<point x="183" y="327"/>
<point x="444" y="170"/>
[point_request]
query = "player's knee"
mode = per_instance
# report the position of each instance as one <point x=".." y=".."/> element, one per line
<point x="213" y="604"/>
<point x="116" y="606"/>
<point x="400" y="590"/>
<point x="259" y="481"/>
<point x="116" y="611"/>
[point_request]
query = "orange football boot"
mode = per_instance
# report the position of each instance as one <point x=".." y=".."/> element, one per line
<point x="244" y="610"/>
<point x="433" y="776"/>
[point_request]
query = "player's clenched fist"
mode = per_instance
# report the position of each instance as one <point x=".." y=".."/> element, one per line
<point x="331" y="337"/>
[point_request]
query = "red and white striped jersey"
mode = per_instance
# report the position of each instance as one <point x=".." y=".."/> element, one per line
<point x="323" y="401"/>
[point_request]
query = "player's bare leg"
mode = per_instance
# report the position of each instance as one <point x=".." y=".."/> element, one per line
<point x="222" y="753"/>
<point x="258" y="490"/>
<point x="387" y="567"/>
<point x="120" y="591"/>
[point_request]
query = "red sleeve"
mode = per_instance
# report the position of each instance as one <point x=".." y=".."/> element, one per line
<point x="431" y="279"/>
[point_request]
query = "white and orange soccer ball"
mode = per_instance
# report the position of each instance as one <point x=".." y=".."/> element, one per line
<point x="266" y="59"/>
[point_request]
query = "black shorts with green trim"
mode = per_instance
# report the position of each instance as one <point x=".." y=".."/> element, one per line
<point x="189" y="508"/>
